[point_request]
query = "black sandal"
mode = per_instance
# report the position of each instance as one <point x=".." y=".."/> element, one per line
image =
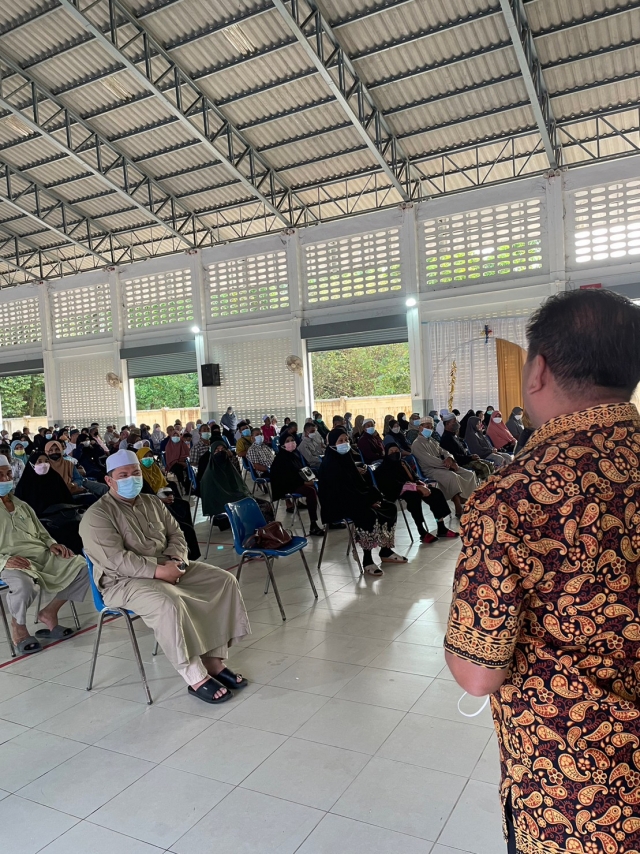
<point x="230" y="680"/>
<point x="208" y="689"/>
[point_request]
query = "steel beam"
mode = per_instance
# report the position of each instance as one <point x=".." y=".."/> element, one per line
<point x="190" y="106"/>
<point x="531" y="69"/>
<point x="99" y="157"/>
<point x="321" y="46"/>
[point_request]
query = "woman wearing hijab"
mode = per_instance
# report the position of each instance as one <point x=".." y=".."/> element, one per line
<point x="465" y="421"/>
<point x="514" y="422"/>
<point x="157" y="437"/>
<point x="88" y="453"/>
<point x="499" y="435"/>
<point x="286" y="479"/>
<point x="370" y="444"/>
<point x="64" y="469"/>
<point x="17" y="459"/>
<point x="385" y="427"/>
<point x="396" y="480"/>
<point x="487" y="416"/>
<point x="47" y="494"/>
<point x="478" y="444"/>
<point x="176" y="454"/>
<point x="155" y="483"/>
<point x="357" y="428"/>
<point x="345" y="494"/>
<point x="402" y="421"/>
<point x="221" y="484"/>
<point x="396" y="437"/>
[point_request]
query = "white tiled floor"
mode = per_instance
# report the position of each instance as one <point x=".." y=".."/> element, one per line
<point x="347" y="739"/>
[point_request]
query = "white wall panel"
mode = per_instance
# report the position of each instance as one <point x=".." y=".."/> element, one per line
<point x="81" y="311"/>
<point x="85" y="395"/>
<point x="20" y="322"/>
<point x="158" y="299"/>
<point x="246" y="285"/>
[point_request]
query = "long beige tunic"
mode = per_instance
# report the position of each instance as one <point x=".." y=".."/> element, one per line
<point x="431" y="459"/>
<point x="126" y="542"/>
<point x="23" y="535"/>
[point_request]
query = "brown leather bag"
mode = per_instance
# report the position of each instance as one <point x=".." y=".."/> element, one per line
<point x="271" y="536"/>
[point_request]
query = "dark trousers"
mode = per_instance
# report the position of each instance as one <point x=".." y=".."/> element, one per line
<point x="436" y="502"/>
<point x="309" y="494"/>
<point x="511" y="841"/>
<point x="180" y="471"/>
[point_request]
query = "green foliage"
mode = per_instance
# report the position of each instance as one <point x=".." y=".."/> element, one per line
<point x="177" y="391"/>
<point x="361" y="371"/>
<point x="23" y="395"/>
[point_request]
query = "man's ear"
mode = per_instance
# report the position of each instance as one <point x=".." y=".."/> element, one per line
<point x="535" y="375"/>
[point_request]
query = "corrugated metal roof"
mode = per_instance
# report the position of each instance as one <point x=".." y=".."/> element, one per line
<point x="442" y="74"/>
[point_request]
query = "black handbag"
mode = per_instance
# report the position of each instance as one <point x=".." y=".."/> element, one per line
<point x="60" y="515"/>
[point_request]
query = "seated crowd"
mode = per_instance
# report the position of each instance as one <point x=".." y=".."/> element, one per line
<point x="124" y="498"/>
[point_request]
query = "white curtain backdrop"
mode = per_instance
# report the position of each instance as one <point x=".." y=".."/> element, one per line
<point x="464" y="340"/>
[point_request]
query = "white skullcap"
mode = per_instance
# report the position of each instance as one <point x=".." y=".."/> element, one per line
<point x="368" y="421"/>
<point x="121" y="458"/>
<point x="447" y="416"/>
<point x="138" y="445"/>
<point x="4" y="461"/>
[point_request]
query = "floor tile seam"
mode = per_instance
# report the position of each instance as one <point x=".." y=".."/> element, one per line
<point x="313" y="741"/>
<point x="389" y="829"/>
<point x="51" y="841"/>
<point x="35" y="779"/>
<point x="428" y="767"/>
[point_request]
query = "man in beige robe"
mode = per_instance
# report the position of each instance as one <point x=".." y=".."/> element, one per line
<point x="456" y="483"/>
<point x="139" y="557"/>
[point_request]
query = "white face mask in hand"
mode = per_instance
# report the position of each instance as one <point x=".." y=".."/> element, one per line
<point x="473" y="714"/>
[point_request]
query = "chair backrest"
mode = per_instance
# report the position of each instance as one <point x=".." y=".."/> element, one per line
<point x="98" y="601"/>
<point x="275" y="444"/>
<point x="417" y="467"/>
<point x="245" y="464"/>
<point x="245" y="517"/>
<point x="192" y="475"/>
<point x="373" y="477"/>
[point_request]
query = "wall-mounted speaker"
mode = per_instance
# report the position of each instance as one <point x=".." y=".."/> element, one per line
<point x="210" y="375"/>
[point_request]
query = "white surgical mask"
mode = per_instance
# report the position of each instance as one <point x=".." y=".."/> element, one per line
<point x="497" y="420"/>
<point x="472" y="714"/>
<point x="395" y="429"/>
<point x="129" y="487"/>
<point x="344" y="448"/>
<point x="41" y="468"/>
<point x="518" y="417"/>
<point x="259" y="440"/>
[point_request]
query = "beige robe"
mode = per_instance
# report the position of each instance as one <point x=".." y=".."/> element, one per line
<point x="23" y="535"/>
<point x="204" y="613"/>
<point x="431" y="459"/>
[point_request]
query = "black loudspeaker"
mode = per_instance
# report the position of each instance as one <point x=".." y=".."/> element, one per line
<point x="211" y="374"/>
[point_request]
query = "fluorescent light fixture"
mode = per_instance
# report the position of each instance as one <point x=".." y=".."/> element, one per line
<point x="411" y="302"/>
<point x="239" y="40"/>
<point x="115" y="86"/>
<point x="195" y="329"/>
<point x="19" y="127"/>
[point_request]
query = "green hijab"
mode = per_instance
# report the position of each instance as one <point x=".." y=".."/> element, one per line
<point x="221" y="482"/>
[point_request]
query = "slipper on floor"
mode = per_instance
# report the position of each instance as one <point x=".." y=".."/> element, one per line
<point x="207" y="691"/>
<point x="28" y="646"/>
<point x="230" y="679"/>
<point x="373" y="569"/>
<point x="452" y="534"/>
<point x="428" y="538"/>
<point x="57" y="633"/>
<point x="394" y="558"/>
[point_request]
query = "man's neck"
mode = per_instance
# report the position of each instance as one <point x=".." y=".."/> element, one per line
<point x="562" y="404"/>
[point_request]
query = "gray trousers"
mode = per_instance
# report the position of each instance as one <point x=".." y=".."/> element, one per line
<point x="94" y="487"/>
<point x="23" y="591"/>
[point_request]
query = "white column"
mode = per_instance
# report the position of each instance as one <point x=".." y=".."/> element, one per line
<point x="126" y="409"/>
<point x="302" y="384"/>
<point x="411" y="277"/>
<point x="208" y="394"/>
<point x="51" y="382"/>
<point x="555" y="230"/>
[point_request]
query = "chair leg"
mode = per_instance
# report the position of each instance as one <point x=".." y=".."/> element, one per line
<point x="240" y="565"/>
<point x="266" y="586"/>
<point x="195" y="511"/>
<point x="74" y="612"/>
<point x="3" y="616"/>
<point x="156" y="648"/>
<point x="324" y="542"/>
<point x="206" y="554"/>
<point x="406" y="521"/>
<point x="309" y="576"/>
<point x="296" y="512"/>
<point x="39" y="603"/>
<point x="352" y="543"/>
<point x="275" y="588"/>
<point x="136" y="651"/>
<point x="96" y="646"/>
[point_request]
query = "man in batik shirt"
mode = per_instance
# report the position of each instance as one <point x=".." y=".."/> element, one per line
<point x="545" y="606"/>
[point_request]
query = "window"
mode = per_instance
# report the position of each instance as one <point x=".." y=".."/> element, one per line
<point x="158" y="299"/>
<point x="81" y="311"/>
<point x="475" y="246"/>
<point x="244" y="285"/>
<point x="606" y="222"/>
<point x="353" y="267"/>
<point x="20" y="322"/>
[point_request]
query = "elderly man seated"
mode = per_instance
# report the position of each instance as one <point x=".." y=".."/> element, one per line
<point x="139" y="556"/>
<point x="435" y="462"/>
<point x="30" y="557"/>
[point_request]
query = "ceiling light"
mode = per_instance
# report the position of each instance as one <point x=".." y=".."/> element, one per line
<point x="115" y="87"/>
<point x="239" y="40"/>
<point x="195" y="329"/>
<point x="18" y="126"/>
<point x="411" y="302"/>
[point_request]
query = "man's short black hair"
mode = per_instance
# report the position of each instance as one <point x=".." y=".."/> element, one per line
<point x="337" y="419"/>
<point x="589" y="338"/>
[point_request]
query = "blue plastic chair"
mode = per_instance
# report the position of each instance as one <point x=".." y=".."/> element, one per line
<point x="3" y="615"/>
<point x="351" y="546"/>
<point x="246" y="517"/>
<point x="275" y="444"/>
<point x="129" y="617"/>
<point x="258" y="479"/>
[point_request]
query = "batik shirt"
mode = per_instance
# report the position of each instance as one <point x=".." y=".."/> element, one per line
<point x="547" y="586"/>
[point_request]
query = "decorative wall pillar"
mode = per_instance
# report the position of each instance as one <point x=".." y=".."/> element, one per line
<point x="302" y="382"/>
<point x="411" y="277"/>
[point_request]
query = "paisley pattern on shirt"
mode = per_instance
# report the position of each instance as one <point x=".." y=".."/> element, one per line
<point x="548" y="584"/>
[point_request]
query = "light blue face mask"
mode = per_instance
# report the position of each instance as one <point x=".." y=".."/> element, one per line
<point x="344" y="448"/>
<point x="426" y="432"/>
<point x="259" y="440"/>
<point x="416" y="423"/>
<point x="5" y="488"/>
<point x="129" y="487"/>
<point x="175" y="439"/>
<point x="371" y="430"/>
<point x="205" y="435"/>
<point x="48" y="435"/>
<point x="246" y="433"/>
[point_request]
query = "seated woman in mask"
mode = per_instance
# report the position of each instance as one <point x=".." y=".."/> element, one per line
<point x="498" y="433"/>
<point x="222" y="483"/>
<point x="346" y="494"/>
<point x="155" y="483"/>
<point x="286" y="480"/>
<point x="370" y="444"/>
<point x="17" y="459"/>
<point x="478" y="444"/>
<point x="47" y="494"/>
<point x="89" y="454"/>
<point x="396" y="437"/>
<point x="396" y="480"/>
<point x="514" y="422"/>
